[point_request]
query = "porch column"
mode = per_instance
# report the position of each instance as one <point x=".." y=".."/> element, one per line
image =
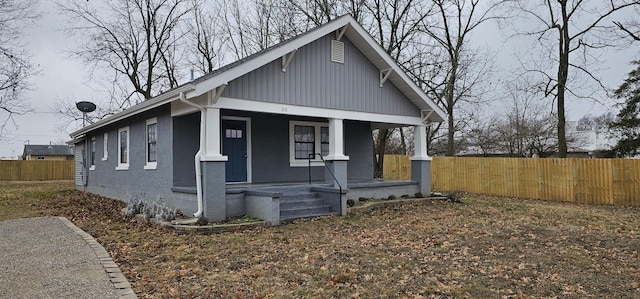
<point x="336" y="160"/>
<point x="213" y="168"/>
<point x="421" y="162"/>
<point x="213" y="145"/>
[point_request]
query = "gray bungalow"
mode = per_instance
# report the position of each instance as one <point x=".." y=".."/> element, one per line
<point x="282" y="134"/>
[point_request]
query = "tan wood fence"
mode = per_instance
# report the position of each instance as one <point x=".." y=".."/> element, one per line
<point x="20" y="170"/>
<point x="594" y="181"/>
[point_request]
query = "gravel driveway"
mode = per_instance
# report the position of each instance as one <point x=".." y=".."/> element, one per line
<point x="49" y="257"/>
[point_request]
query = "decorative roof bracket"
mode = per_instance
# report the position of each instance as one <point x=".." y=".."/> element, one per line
<point x="384" y="75"/>
<point x="286" y="59"/>
<point x="340" y="32"/>
<point x="425" y="115"/>
<point x="214" y="97"/>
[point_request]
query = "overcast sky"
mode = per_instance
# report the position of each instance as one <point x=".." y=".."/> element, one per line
<point x="66" y="79"/>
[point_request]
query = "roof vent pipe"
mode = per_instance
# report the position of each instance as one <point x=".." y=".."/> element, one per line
<point x="198" y="155"/>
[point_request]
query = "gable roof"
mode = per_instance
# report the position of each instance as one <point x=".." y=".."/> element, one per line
<point x="47" y="150"/>
<point x="352" y="30"/>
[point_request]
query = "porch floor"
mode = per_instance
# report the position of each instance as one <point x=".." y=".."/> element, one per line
<point x="297" y="186"/>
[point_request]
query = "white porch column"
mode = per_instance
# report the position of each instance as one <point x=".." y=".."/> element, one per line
<point x="420" y="143"/>
<point x="336" y="141"/>
<point x="213" y="146"/>
<point x="421" y="162"/>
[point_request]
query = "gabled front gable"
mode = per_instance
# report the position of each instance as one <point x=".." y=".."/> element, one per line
<point x="312" y="79"/>
<point x="345" y="28"/>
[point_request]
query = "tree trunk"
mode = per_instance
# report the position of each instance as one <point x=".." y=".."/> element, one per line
<point x="563" y="70"/>
<point x="381" y="144"/>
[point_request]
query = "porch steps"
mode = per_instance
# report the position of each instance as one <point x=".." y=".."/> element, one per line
<point x="302" y="205"/>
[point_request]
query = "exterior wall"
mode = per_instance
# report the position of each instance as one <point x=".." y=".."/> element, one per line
<point x="185" y="145"/>
<point x="136" y="182"/>
<point x="313" y="80"/>
<point x="358" y="146"/>
<point x="270" y="149"/>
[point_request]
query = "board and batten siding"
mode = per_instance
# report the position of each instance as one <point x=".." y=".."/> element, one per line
<point x="312" y="80"/>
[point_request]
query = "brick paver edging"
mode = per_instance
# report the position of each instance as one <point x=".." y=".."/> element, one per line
<point x="123" y="288"/>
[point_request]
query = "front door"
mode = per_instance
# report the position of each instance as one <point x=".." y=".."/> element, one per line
<point x="234" y="146"/>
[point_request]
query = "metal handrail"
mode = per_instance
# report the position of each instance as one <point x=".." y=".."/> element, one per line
<point x="311" y="156"/>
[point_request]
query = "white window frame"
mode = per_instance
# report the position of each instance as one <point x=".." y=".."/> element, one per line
<point x="123" y="166"/>
<point x="105" y="152"/>
<point x="92" y="153"/>
<point x="316" y="161"/>
<point x="150" y="165"/>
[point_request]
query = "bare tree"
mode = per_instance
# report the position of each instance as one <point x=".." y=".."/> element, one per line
<point x="569" y="33"/>
<point x="206" y="36"/>
<point x="525" y="128"/>
<point x="465" y="71"/>
<point x="137" y="40"/>
<point x="632" y="27"/>
<point x="598" y="122"/>
<point x="15" y="67"/>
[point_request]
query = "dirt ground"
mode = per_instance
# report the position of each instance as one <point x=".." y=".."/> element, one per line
<point x="484" y="247"/>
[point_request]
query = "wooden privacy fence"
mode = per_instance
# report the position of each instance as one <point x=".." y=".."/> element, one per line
<point x="397" y="168"/>
<point x="594" y="181"/>
<point x="20" y="170"/>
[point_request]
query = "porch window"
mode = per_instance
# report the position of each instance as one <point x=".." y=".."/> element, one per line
<point x="151" y="148"/>
<point x="123" y="149"/>
<point x="306" y="139"/>
<point x="324" y="142"/>
<point x="93" y="154"/>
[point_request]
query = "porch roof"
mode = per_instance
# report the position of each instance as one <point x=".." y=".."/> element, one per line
<point x="346" y="24"/>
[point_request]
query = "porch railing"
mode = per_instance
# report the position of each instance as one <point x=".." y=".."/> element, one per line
<point x="311" y="156"/>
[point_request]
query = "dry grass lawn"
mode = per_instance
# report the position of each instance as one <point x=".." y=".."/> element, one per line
<point x="482" y="248"/>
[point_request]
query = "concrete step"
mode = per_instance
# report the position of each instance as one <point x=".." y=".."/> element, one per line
<point x="305" y="212"/>
<point x="291" y="218"/>
<point x="297" y="196"/>
<point x="301" y="203"/>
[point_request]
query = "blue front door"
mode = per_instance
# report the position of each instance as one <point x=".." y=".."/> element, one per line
<point x="234" y="146"/>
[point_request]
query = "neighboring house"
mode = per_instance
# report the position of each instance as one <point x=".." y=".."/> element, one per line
<point x="48" y="152"/>
<point x="591" y="140"/>
<point x="237" y="141"/>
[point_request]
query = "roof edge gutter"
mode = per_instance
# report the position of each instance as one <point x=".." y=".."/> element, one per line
<point x="144" y="106"/>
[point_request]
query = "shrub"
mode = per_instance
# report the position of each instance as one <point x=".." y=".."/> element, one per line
<point x="134" y="206"/>
<point x="158" y="210"/>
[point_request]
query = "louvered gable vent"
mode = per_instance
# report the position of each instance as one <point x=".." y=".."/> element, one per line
<point x="337" y="51"/>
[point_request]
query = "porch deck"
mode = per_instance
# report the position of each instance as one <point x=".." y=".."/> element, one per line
<point x="281" y="202"/>
<point x="353" y="187"/>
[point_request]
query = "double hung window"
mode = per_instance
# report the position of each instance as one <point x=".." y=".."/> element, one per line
<point x="307" y="140"/>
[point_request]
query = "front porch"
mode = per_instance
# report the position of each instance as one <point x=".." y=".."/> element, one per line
<point x="281" y="202"/>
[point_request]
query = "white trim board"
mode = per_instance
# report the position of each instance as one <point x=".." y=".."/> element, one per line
<point x="285" y="109"/>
